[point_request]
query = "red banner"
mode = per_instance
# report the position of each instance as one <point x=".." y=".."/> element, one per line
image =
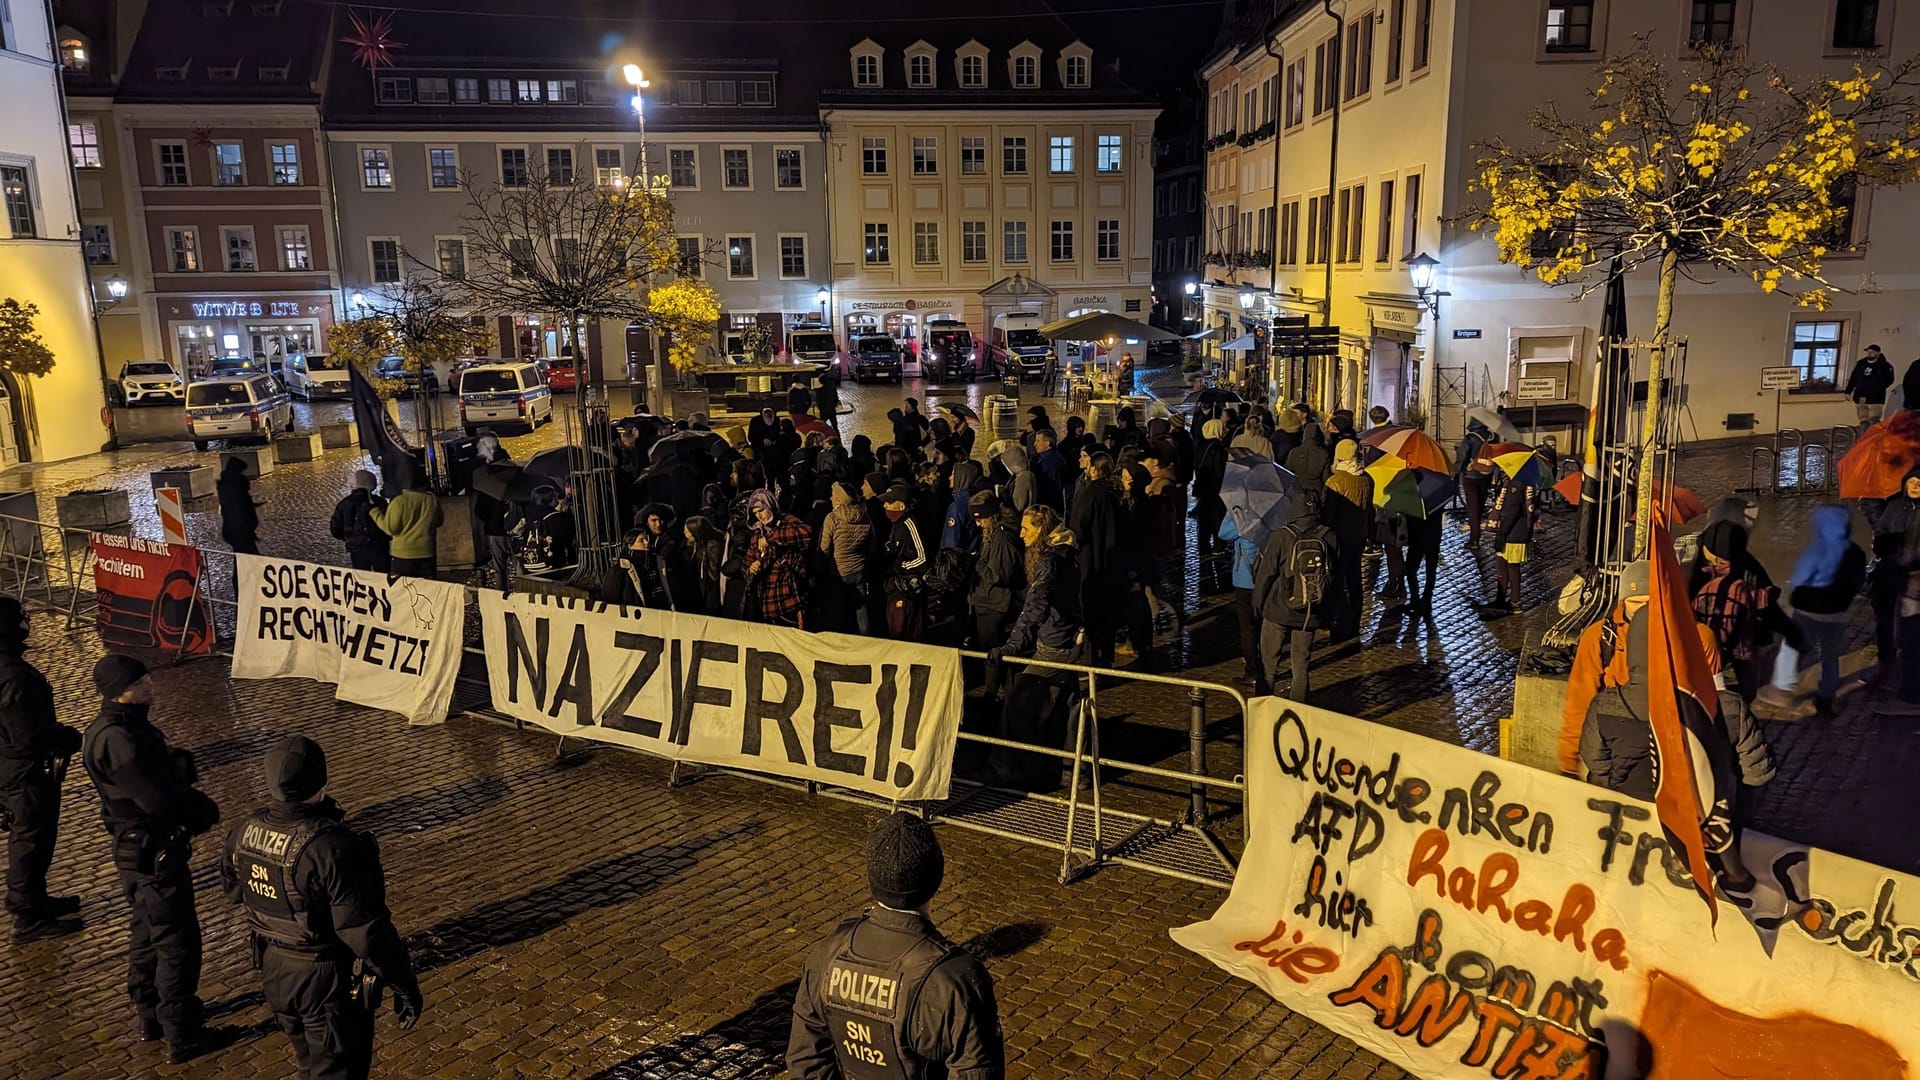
<point x="148" y="594"/>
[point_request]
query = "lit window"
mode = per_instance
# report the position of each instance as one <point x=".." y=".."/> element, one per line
<point x="96" y="241"/>
<point x="296" y="249"/>
<point x="239" y="245"/>
<point x="229" y="167"/>
<point x="1570" y="26"/>
<point x="563" y="91"/>
<point x="877" y="251"/>
<point x="787" y="174"/>
<point x="376" y="167"/>
<point x="1815" y="350"/>
<point x="83" y="139"/>
<point x="608" y="168"/>
<point x="286" y="162"/>
<point x="926" y="243"/>
<point x="1109" y="154"/>
<point x="183" y="248"/>
<point x="1060" y="154"/>
<point x="683" y="169"/>
<point x="527" y="91"/>
<point x="73" y="55"/>
<point x="451" y="254"/>
<point x="739" y="257"/>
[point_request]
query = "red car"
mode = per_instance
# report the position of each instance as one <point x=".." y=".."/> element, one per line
<point x="560" y="375"/>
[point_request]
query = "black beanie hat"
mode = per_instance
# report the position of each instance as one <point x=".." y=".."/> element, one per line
<point x="115" y="672"/>
<point x="296" y="769"/>
<point x="904" y="863"/>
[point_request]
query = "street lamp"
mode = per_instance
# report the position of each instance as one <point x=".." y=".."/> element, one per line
<point x="117" y="288"/>
<point x="638" y="80"/>
<point x="1424" y="269"/>
<point x="358" y="301"/>
<point x="1246" y="299"/>
<point x="1192" y="288"/>
<point x="823" y="298"/>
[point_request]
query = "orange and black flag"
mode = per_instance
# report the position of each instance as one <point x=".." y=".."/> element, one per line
<point x="1695" y="761"/>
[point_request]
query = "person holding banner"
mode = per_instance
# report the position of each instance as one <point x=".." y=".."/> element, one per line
<point x="885" y="996"/>
<point x="34" y="750"/>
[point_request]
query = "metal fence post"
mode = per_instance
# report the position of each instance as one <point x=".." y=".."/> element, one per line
<point x="1197" y="754"/>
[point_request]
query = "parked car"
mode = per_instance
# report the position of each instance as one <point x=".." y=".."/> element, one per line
<point x="311" y="376"/>
<point x="510" y="392"/>
<point x="561" y="375"/>
<point x="253" y="405"/>
<point x="949" y="352"/>
<point x="393" y="367"/>
<point x="814" y="345"/>
<point x="227" y="366"/>
<point x="147" y="382"/>
<point x="876" y="356"/>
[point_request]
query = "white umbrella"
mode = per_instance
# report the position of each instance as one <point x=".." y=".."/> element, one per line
<point x="1495" y="422"/>
<point x="1205" y="335"/>
<point x="1243" y="343"/>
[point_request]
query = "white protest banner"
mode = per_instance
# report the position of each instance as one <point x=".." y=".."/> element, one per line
<point x="1464" y="916"/>
<point x="877" y="716"/>
<point x="387" y="642"/>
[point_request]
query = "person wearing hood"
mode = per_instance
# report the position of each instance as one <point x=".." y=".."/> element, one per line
<point x="1285" y="434"/>
<point x="34" y="748"/>
<point x="1348" y="511"/>
<point x="1296" y="591"/>
<point x="1096" y="524"/>
<point x="1246" y="554"/>
<point x="775" y="561"/>
<point x="1209" y="472"/>
<point x="1734" y="598"/>
<point x="1826" y="578"/>
<point x="1515" y="510"/>
<point x="1253" y="439"/>
<point x="410" y="520"/>
<point x="352" y="525"/>
<point x="1053" y="473"/>
<point x="1311" y="461"/>
<point x="1071" y="446"/>
<point x="959" y="531"/>
<point x="998" y="577"/>
<point x="548" y="538"/>
<point x="1125" y="432"/>
<point x="239" y="514"/>
<point x="904" y="564"/>
<point x="861" y="459"/>
<point x="1023" y="485"/>
<point x="152" y="810"/>
<point x="314" y="894"/>
<point x="1895" y="590"/>
<point x="964" y="433"/>
<point x="640" y="575"/>
<point x="846" y="540"/>
<point x="1168" y="539"/>
<point x="1037" y="422"/>
<point x="696" y="577"/>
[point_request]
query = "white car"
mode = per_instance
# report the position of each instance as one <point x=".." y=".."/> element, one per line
<point x="309" y="376"/>
<point x="506" y="393"/>
<point x="145" y="382"/>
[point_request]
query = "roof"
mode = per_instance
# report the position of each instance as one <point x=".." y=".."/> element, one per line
<point x="236" y="51"/>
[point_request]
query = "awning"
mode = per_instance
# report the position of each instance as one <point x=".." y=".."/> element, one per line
<point x="1205" y="335"/>
<point x="1243" y="343"/>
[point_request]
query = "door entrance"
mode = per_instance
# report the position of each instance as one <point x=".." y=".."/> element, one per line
<point x="12" y="429"/>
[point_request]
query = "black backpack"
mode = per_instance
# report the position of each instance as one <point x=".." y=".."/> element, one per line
<point x="951" y="573"/>
<point x="1308" y="574"/>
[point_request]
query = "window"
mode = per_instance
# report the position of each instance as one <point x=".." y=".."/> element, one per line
<point x="1410" y="218"/>
<point x="1815" y="349"/>
<point x="787" y="174"/>
<point x="873" y="156"/>
<point x="376" y="168"/>
<point x="73" y="54"/>
<point x="686" y="92"/>
<point x="1319" y="228"/>
<point x="1026" y="72"/>
<point x="183" y="248"/>
<point x="926" y="243"/>
<point x="1076" y="71"/>
<point x="96" y="243"/>
<point x="756" y="92"/>
<point x="1296" y="106"/>
<point x="513" y="167"/>
<point x="736" y="168"/>
<point x="466" y="91"/>
<point x="1569" y="26"/>
<point x="395" y="90"/>
<point x="563" y="91"/>
<point x="1353" y="207"/>
<point x="692" y="261"/>
<point x="1013" y="155"/>
<point x="1060" y="154"/>
<point x="527" y="91"/>
<point x="973" y="155"/>
<point x="1422" y="33"/>
<point x="285" y="158"/>
<point x="1013" y="241"/>
<point x="296" y="248"/>
<point x="1711" y="23"/>
<point x="1106" y="239"/>
<point x="1061" y="249"/>
<point x="1383" y="241"/>
<point x="683" y="168"/>
<point x="739" y="258"/>
<point x="722" y="92"/>
<point x="450" y="254"/>
<point x="384" y="258"/>
<point x="609" y="169"/>
<point x="973" y="241"/>
<point x="1844" y="195"/>
<point x="1263" y="230"/>
<point x="877" y="251"/>
<point x="521" y="257"/>
<point x="926" y="155"/>
<point x="1107" y="153"/>
<point x="1287" y="251"/>
<point x="431" y="91"/>
<point x="920" y="71"/>
<point x="16" y="190"/>
<point x="1326" y="75"/>
<point x="229" y="165"/>
<point x="560" y="165"/>
<point x="866" y="70"/>
<point x="1360" y="56"/>
<point x="973" y="72"/>
<point x="793" y="257"/>
<point x="1396" y="38"/>
<point x="1856" y="24"/>
<point x="83" y="140"/>
<point x="238" y="243"/>
<point x="499" y="91"/>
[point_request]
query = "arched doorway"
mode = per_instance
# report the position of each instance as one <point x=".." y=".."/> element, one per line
<point x="14" y="445"/>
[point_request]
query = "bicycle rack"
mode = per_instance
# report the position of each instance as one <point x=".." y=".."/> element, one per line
<point x="1754" y="486"/>
<point x="1783" y="440"/>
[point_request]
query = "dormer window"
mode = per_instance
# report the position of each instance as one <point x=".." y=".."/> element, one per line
<point x="1075" y="71"/>
<point x="866" y="64"/>
<point x="920" y="71"/>
<point x="74" y="55"/>
<point x="175" y="73"/>
<point x="973" y="72"/>
<point x="1076" y="66"/>
<point x="276" y="73"/>
<point x="223" y="74"/>
<point x="1023" y="66"/>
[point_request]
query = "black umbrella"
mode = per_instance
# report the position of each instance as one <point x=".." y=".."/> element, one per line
<point x="557" y="464"/>
<point x="507" y="482"/>
<point x="960" y="408"/>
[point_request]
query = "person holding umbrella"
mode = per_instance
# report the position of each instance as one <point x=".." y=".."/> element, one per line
<point x="1515" y="510"/>
<point x="1473" y="482"/>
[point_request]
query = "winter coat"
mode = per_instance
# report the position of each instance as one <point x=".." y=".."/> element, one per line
<point x="1209" y="471"/>
<point x="353" y="525"/>
<point x="779" y="582"/>
<point x="1023" y="487"/>
<point x="1245" y="553"/>
<point x="1258" y="445"/>
<point x="1051" y="613"/>
<point x="239" y="514"/>
<point x="846" y="538"/>
<point x="410" y="519"/>
<point x="1756" y="761"/>
<point x="1311" y="460"/>
<point x="1351" y="524"/>
<point x="1055" y="478"/>
<point x="1096" y="524"/>
<point x="959" y="531"/>
<point x="904" y="555"/>
<point x="1270" y="580"/>
<point x="1515" y="509"/>
<point x="1870" y="381"/>
<point x="997" y="574"/>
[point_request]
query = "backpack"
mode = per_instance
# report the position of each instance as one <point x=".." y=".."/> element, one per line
<point x="1308" y="576"/>
<point x="951" y="573"/>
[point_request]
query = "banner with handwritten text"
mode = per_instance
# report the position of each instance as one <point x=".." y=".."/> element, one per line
<point x="1464" y="916"/>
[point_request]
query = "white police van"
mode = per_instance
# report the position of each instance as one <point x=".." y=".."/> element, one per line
<point x="506" y="393"/>
<point x="251" y="406"/>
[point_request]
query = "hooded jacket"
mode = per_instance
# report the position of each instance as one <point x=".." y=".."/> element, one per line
<point x="997" y="574"/>
<point x="410" y="520"/>
<point x="846" y="537"/>
<point x="1311" y="461"/>
<point x="960" y="530"/>
<point x="1830" y="572"/>
<point x="239" y="514"/>
<point x="1270" y="573"/>
<point x="1023" y="487"/>
<point x="1056" y="476"/>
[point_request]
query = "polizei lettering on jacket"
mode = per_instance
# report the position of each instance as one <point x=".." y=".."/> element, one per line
<point x="862" y="991"/>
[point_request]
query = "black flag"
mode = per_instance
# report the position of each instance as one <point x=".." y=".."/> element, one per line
<point x="380" y="436"/>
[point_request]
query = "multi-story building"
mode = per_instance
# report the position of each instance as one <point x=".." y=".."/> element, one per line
<point x="1378" y="116"/>
<point x="735" y="137"/>
<point x="42" y="262"/>
<point x="94" y="41"/>
<point x="977" y="168"/>
<point x="1179" y="213"/>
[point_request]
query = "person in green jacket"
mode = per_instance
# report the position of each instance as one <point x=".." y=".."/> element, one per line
<point x="410" y="518"/>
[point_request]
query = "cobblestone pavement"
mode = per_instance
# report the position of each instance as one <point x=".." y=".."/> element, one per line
<point x="587" y="920"/>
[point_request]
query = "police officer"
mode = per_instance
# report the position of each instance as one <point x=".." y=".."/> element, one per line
<point x="885" y="997"/>
<point x="34" y="748"/>
<point x="316" y="899"/>
<point x="152" y="811"/>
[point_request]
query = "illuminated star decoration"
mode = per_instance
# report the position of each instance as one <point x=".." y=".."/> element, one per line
<point x="372" y="42"/>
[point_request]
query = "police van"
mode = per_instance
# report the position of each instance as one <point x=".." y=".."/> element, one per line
<point x="505" y="393"/>
<point x="244" y="406"/>
<point x="1017" y="346"/>
<point x="814" y="345"/>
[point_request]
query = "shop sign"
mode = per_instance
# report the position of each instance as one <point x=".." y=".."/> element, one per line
<point x="1404" y="318"/>
<point x="1097" y="300"/>
<point x="234" y="309"/>
<point x="902" y="305"/>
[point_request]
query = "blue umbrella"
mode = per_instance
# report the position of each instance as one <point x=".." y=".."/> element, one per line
<point x="1257" y="493"/>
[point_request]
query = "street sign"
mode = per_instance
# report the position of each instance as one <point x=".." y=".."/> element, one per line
<point x="1537" y="388"/>
<point x="1466" y="335"/>
<point x="1779" y="378"/>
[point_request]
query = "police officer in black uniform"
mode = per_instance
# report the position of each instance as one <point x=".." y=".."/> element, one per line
<point x="34" y="748"/>
<point x="316" y="899"/>
<point x="885" y="997"/>
<point x="152" y="811"/>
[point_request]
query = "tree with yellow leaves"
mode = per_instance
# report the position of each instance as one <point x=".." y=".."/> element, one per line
<point x="687" y="311"/>
<point x="1718" y="161"/>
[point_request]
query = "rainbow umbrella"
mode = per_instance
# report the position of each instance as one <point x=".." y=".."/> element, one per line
<point x="1399" y="488"/>
<point x="1483" y="461"/>
<point x="1411" y="445"/>
<point x="1524" y="467"/>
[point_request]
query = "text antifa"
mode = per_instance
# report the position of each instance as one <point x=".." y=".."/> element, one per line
<point x="701" y="672"/>
<point x="349" y="599"/>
